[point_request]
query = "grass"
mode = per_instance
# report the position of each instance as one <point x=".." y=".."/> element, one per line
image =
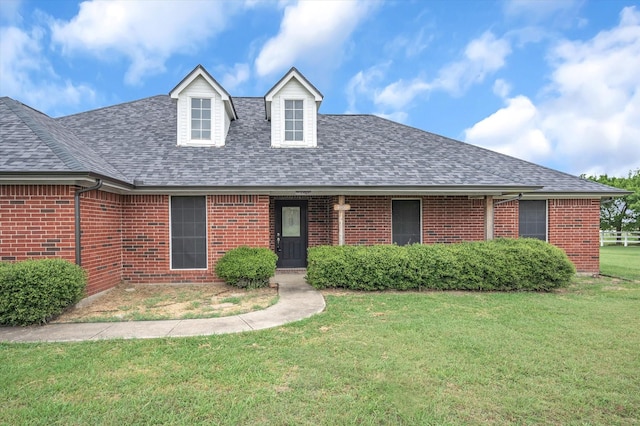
<point x="569" y="357"/>
<point x="152" y="302"/>
<point x="620" y="261"/>
<point x="130" y="303"/>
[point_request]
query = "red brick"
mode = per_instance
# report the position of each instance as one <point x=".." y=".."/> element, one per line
<point x="126" y="237"/>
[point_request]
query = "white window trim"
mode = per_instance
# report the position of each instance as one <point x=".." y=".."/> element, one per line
<point x="421" y="216"/>
<point x="206" y="220"/>
<point x="546" y="212"/>
<point x="211" y="103"/>
<point x="202" y="142"/>
<point x="304" y="143"/>
<point x="546" y="219"/>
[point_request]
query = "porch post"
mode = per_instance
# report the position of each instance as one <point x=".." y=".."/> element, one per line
<point x="488" y="218"/>
<point x="341" y="207"/>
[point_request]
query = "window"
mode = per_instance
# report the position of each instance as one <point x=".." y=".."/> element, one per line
<point x="293" y="120"/>
<point x="200" y="119"/>
<point x="188" y="233"/>
<point x="405" y="222"/>
<point x="291" y="221"/>
<point x="533" y="219"/>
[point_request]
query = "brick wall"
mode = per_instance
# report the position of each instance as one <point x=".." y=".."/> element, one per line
<point x="505" y="220"/>
<point x="573" y="224"/>
<point x="236" y="220"/>
<point x="320" y="219"/>
<point x="36" y="222"/>
<point x="450" y="219"/>
<point x="232" y="221"/>
<point x="574" y="227"/>
<point x="127" y="237"/>
<point x="368" y="221"/>
<point x="145" y="238"/>
<point x="101" y="225"/>
<point x="445" y="219"/>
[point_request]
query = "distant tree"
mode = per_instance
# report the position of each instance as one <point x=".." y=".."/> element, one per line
<point x="621" y="213"/>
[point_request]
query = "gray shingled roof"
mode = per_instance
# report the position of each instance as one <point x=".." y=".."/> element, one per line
<point x="35" y="142"/>
<point x="136" y="141"/>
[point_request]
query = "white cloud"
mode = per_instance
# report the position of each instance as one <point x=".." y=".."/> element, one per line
<point x="312" y="32"/>
<point x="234" y="77"/>
<point x="501" y="88"/>
<point x="512" y="130"/>
<point x="590" y="111"/>
<point x="400" y="93"/>
<point x="398" y="116"/>
<point x="28" y="77"/>
<point x="482" y="56"/>
<point x="146" y="33"/>
<point x="411" y="44"/>
<point x="362" y="85"/>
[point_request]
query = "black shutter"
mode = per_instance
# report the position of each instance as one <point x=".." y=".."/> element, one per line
<point x="405" y="219"/>
<point x="532" y="219"/>
<point x="188" y="232"/>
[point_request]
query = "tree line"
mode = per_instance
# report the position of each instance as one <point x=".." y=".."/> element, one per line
<point x="620" y="213"/>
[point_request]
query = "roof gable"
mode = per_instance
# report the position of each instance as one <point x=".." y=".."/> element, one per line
<point x="297" y="75"/>
<point x="200" y="71"/>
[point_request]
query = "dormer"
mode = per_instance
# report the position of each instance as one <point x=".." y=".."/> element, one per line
<point x="205" y="110"/>
<point x="292" y="107"/>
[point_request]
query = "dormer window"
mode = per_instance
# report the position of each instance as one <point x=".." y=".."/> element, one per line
<point x="200" y="119"/>
<point x="293" y="120"/>
<point x="204" y="110"/>
<point x="292" y="107"/>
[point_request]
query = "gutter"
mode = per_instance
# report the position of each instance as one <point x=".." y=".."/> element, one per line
<point x="518" y="197"/>
<point x="20" y="177"/>
<point x="461" y="190"/>
<point x="76" y="196"/>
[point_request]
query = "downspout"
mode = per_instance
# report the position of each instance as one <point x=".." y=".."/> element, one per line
<point x="98" y="185"/>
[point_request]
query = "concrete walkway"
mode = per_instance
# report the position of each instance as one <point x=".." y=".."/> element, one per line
<point x="298" y="300"/>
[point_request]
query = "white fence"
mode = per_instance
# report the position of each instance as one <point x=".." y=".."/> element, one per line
<point x="624" y="237"/>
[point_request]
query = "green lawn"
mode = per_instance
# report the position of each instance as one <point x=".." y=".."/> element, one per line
<point x="570" y="357"/>
<point x="620" y="261"/>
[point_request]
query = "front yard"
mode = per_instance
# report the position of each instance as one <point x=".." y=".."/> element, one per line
<point x="569" y="357"/>
<point x="621" y="261"/>
<point x="129" y="302"/>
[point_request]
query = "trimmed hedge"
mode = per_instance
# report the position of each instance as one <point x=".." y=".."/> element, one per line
<point x="524" y="264"/>
<point x="35" y="291"/>
<point x="247" y="267"/>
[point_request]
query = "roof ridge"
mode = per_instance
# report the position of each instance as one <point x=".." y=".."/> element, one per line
<point x="160" y="95"/>
<point x="59" y="150"/>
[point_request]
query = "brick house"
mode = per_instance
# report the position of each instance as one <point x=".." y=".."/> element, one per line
<point x="156" y="190"/>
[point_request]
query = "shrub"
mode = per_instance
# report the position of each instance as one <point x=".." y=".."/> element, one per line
<point x="35" y="291"/>
<point x="247" y="267"/>
<point x="330" y="266"/>
<point x="498" y="265"/>
<point x="358" y="267"/>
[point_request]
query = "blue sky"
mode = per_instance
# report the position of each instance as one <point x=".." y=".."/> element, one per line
<point x="553" y="82"/>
